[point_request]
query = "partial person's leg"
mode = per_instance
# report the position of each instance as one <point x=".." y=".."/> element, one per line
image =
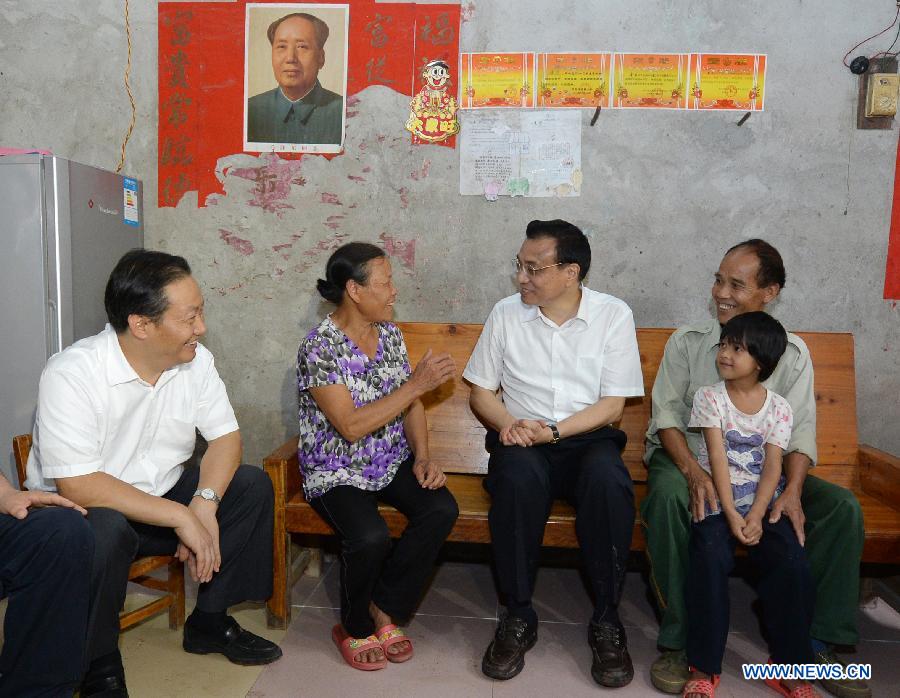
<point x="786" y="591"/>
<point x="365" y="543"/>
<point x="44" y="568"/>
<point x="115" y="548"/>
<point x="666" y="521"/>
<point x="711" y="551"/>
<point x="518" y="481"/>
<point x="431" y="515"/>
<point x="834" y="543"/>
<point x="600" y="488"/>
<point x="244" y="519"/>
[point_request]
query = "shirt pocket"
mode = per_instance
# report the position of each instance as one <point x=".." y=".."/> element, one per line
<point x="585" y="387"/>
<point x="176" y="438"/>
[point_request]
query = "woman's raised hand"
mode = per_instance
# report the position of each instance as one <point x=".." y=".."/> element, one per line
<point x="432" y="370"/>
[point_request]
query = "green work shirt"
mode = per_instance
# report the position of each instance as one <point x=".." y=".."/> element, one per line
<point x="689" y="363"/>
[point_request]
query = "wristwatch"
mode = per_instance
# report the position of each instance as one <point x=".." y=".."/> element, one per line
<point x="209" y="494"/>
<point x="554" y="431"/>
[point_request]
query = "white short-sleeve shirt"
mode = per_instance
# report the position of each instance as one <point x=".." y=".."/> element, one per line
<point x="549" y="371"/>
<point x="96" y="415"/>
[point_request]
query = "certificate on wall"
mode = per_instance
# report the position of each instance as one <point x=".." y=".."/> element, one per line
<point x="573" y="80"/>
<point x="492" y="80"/>
<point x="650" y="80"/>
<point x="520" y="153"/>
<point x="728" y="81"/>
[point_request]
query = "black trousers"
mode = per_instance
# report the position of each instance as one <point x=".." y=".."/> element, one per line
<point x="586" y="470"/>
<point x="44" y="560"/>
<point x="785" y="587"/>
<point x="245" y="541"/>
<point x="372" y="568"/>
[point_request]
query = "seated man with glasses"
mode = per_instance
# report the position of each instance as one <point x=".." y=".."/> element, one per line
<point x="549" y="376"/>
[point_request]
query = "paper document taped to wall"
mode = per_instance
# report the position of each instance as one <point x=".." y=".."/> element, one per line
<point x="520" y="153"/>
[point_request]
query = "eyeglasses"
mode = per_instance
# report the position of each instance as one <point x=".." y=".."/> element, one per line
<point x="530" y="269"/>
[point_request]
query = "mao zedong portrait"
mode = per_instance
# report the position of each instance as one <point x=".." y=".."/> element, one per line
<point x="299" y="110"/>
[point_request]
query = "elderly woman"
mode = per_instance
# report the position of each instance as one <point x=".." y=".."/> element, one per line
<point x="363" y="438"/>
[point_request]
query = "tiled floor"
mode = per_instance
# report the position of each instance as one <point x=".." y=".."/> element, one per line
<point x="455" y="621"/>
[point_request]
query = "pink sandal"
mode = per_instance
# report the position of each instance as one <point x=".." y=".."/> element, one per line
<point x="705" y="687"/>
<point x="390" y="635"/>
<point x="352" y="647"/>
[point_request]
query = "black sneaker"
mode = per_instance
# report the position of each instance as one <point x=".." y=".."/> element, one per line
<point x="611" y="666"/>
<point x="505" y="656"/>
<point x="238" y="645"/>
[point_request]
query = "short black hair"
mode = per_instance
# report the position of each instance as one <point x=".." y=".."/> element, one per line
<point x="347" y="262"/>
<point x="761" y="335"/>
<point x="137" y="285"/>
<point x="572" y="246"/>
<point x="771" y="267"/>
<point x="319" y="27"/>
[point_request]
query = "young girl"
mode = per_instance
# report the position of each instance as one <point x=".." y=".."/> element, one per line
<point x="746" y="428"/>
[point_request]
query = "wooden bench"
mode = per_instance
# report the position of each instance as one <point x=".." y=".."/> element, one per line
<point x="457" y="443"/>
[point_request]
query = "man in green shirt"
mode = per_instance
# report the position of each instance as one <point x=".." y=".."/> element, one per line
<point x="826" y="517"/>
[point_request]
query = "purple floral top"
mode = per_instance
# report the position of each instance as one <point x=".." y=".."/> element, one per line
<point x="326" y="357"/>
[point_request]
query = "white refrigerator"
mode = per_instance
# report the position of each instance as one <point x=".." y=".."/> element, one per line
<point x="63" y="226"/>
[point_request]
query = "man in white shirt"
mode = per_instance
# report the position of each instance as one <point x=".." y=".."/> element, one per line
<point x="549" y="376"/>
<point x="117" y="416"/>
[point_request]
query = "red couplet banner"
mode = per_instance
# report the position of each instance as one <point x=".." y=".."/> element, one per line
<point x="892" y="269"/>
<point x="201" y="76"/>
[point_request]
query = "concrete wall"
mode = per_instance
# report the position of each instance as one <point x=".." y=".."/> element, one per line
<point x="664" y="193"/>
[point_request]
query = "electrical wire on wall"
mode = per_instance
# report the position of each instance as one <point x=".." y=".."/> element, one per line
<point x="860" y="64"/>
<point x="883" y="55"/>
<point x="128" y="90"/>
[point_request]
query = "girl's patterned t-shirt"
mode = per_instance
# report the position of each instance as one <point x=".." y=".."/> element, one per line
<point x="328" y="357"/>
<point x="745" y="437"/>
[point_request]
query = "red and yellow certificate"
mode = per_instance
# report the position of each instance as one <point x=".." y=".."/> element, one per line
<point x="491" y="80"/>
<point x="728" y="81"/>
<point x="650" y="80"/>
<point x="576" y="80"/>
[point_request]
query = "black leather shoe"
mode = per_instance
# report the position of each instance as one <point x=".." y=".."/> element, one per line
<point x="112" y="686"/>
<point x="505" y="656"/>
<point x="611" y="666"/>
<point x="238" y="645"/>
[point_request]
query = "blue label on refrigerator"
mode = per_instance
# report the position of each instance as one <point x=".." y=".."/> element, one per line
<point x="129" y="190"/>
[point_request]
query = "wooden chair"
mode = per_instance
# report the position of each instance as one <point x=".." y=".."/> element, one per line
<point x="173" y="585"/>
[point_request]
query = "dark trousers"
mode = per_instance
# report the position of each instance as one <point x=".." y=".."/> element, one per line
<point x="245" y="519"/>
<point x="834" y="544"/>
<point x="785" y="587"/>
<point x="586" y="470"/>
<point x="372" y="568"/>
<point x="44" y="560"/>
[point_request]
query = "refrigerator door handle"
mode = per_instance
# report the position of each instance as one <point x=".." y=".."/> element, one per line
<point x="54" y="328"/>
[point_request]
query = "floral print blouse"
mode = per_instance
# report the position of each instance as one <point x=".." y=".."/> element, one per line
<point x="326" y="357"/>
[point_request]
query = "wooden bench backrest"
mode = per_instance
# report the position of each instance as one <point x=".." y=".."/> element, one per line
<point x="457" y="437"/>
